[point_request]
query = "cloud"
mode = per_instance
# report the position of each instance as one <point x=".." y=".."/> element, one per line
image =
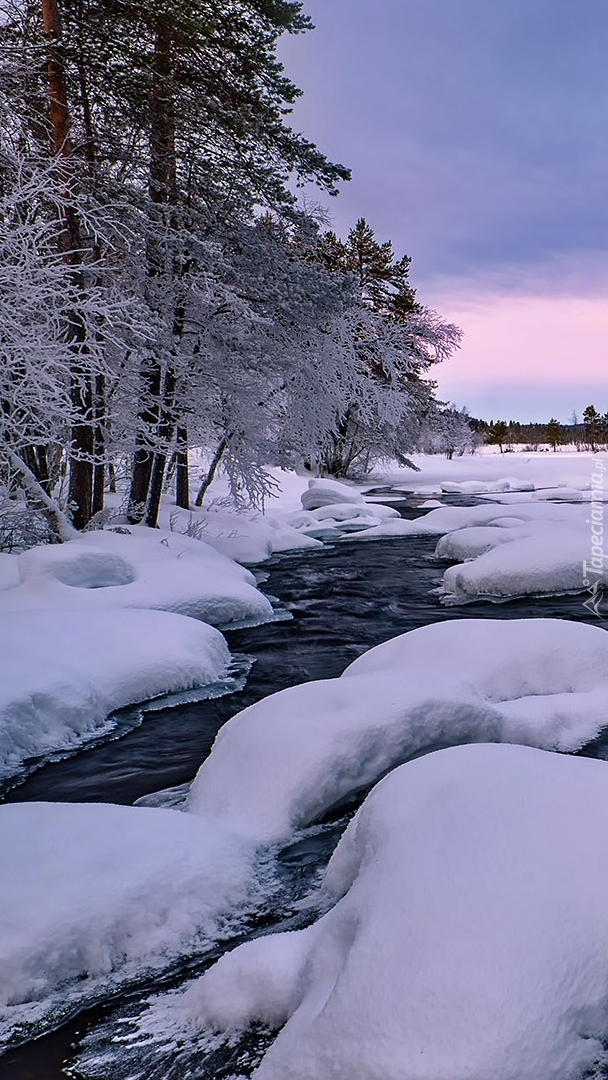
<point x="475" y="130"/>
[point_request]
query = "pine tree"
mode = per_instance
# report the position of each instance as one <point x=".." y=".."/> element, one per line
<point x="555" y="433"/>
<point x="592" y="426"/>
<point x="498" y="434"/>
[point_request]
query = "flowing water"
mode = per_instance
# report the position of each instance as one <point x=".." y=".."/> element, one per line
<point x="343" y="599"/>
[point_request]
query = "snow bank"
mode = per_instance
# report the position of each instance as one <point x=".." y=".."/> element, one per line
<point x="283" y="761"/>
<point x="247" y="537"/>
<point x="533" y="470"/>
<point x="469" y="938"/>
<point x="101" y="894"/>
<point x="62" y="673"/>
<point x="149" y="568"/>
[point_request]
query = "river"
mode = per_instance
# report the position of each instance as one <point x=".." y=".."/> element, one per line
<point x="343" y="599"/>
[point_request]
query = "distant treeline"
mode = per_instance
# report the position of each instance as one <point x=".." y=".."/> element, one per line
<point x="588" y="433"/>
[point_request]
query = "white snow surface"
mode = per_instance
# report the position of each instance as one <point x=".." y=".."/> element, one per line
<point x="98" y="893"/>
<point x="62" y="672"/>
<point x="329" y="492"/>
<point x="149" y="568"/>
<point x="281" y="762"/>
<point x="247" y="537"/>
<point x="469" y="936"/>
<point x="127" y="890"/>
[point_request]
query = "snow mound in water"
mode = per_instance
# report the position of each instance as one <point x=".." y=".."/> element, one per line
<point x="480" y="487"/>
<point x="325" y="492"/>
<point x="149" y="568"/>
<point x="518" y="565"/>
<point x="98" y="895"/>
<point x="520" y="549"/>
<point x="560" y="493"/>
<point x="283" y="761"/>
<point x="469" y="938"/>
<point x="62" y="673"/>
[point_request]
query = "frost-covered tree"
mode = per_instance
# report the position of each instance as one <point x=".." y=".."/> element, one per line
<point x="177" y="111"/>
<point x="395" y="341"/>
<point x="447" y="431"/>
<point x="39" y="299"/>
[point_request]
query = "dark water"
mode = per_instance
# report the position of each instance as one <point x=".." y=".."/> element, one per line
<point x="344" y="599"/>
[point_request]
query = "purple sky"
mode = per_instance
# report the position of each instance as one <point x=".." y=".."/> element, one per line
<point x="477" y="135"/>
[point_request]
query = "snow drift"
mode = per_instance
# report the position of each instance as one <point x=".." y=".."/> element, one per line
<point x="469" y="936"/>
<point x="149" y="568"/>
<point x="283" y="761"/>
<point x="62" y="673"/>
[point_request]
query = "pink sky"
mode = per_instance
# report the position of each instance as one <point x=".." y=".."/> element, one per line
<point x="525" y="356"/>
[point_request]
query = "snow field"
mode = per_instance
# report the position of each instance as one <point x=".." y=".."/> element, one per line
<point x="129" y="889"/>
<point x="468" y="936"/>
<point x="124" y="894"/>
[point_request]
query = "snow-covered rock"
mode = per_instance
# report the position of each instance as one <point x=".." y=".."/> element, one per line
<point x="98" y="895"/>
<point x="468" y="936"/>
<point x="325" y="492"/>
<point x="559" y="494"/>
<point x="149" y="568"/>
<point x="546" y="563"/>
<point x="63" y="672"/>
<point x="247" y="537"/>
<point x="480" y="487"/>
<point x="283" y="761"/>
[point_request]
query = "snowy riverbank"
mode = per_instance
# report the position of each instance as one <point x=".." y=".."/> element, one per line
<point x="129" y="891"/>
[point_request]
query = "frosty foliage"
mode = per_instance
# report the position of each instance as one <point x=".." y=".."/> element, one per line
<point x="160" y="287"/>
<point x="447" y="431"/>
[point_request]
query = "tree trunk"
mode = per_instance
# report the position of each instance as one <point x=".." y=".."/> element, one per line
<point x="55" y="516"/>
<point x="207" y="482"/>
<point x="80" y="491"/>
<point x="149" y="415"/>
<point x="99" y="445"/>
<point x="80" y="488"/>
<point x="166" y="428"/>
<point x="182" y="485"/>
<point x="162" y="187"/>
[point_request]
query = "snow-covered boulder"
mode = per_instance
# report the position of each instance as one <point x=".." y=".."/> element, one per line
<point x="100" y="895"/>
<point x="63" y="672"/>
<point x="149" y="568"/>
<point x="468" y="937"/>
<point x="283" y="761"/>
<point x="482" y="487"/>
<point x="325" y="492"/>
<point x="515" y="564"/>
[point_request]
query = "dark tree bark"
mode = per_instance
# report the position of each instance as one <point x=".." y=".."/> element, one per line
<point x="80" y="489"/>
<point x="162" y="187"/>
<point x="207" y="482"/>
<point x="166" y="430"/>
<point x="182" y="484"/>
<point x="99" y="440"/>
